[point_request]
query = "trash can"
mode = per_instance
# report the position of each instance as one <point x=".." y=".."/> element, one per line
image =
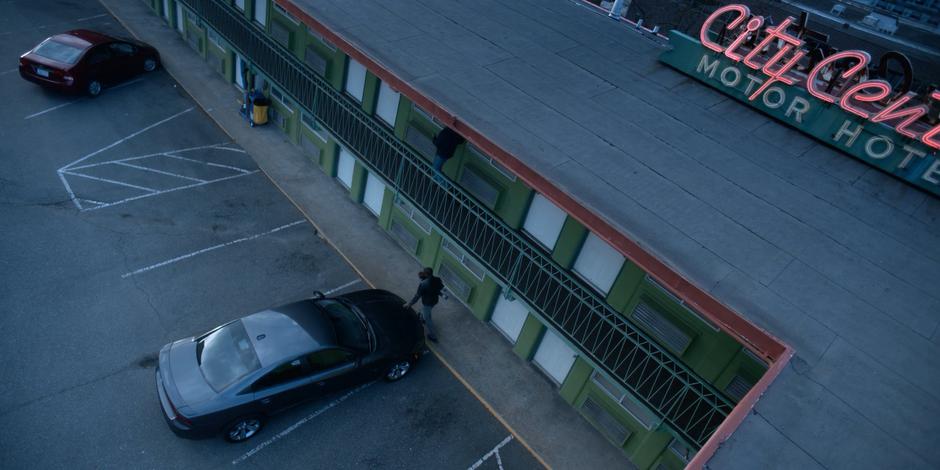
<point x="259" y="110"/>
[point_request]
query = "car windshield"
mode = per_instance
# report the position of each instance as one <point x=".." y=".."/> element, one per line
<point x="226" y="355"/>
<point x="351" y="330"/>
<point x="59" y="51"/>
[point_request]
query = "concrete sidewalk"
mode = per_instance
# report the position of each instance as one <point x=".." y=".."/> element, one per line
<point x="507" y="385"/>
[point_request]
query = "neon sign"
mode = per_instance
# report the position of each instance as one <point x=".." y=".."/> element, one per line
<point x="870" y="99"/>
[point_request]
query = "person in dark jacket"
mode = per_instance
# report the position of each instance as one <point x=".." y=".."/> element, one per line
<point x="429" y="291"/>
<point x="445" y="143"/>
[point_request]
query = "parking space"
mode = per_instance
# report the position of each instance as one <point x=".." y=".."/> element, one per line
<point x="131" y="220"/>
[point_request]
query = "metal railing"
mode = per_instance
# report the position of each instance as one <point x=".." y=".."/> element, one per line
<point x="686" y="402"/>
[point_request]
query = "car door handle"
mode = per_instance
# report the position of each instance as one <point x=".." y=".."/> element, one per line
<point x="265" y="401"/>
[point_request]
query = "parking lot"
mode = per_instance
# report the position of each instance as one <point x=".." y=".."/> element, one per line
<point x="130" y="220"/>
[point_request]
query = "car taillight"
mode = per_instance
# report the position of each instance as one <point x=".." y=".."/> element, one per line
<point x="177" y="415"/>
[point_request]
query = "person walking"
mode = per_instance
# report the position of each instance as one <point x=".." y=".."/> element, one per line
<point x="445" y="144"/>
<point x="429" y="291"/>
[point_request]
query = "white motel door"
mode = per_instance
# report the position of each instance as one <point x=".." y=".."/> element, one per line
<point x="554" y="356"/>
<point x="180" y="26"/>
<point x="374" y="195"/>
<point x="544" y="221"/>
<point x="509" y="316"/>
<point x="599" y="263"/>
<point x="345" y="167"/>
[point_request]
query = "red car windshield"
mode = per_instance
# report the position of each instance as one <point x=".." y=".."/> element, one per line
<point x="59" y="51"/>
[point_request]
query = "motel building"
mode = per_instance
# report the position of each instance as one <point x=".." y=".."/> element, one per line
<point x="715" y="257"/>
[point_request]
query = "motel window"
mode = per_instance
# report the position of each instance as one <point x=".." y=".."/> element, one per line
<point x="214" y="38"/>
<point x="387" y="107"/>
<point x="508" y="316"/>
<point x="738" y="387"/>
<point x="598" y="263"/>
<point x="416" y="216"/>
<point x="680" y="450"/>
<point x="477" y="153"/>
<point x="279" y="97"/>
<point x="261" y="12"/>
<point x="374" y="195"/>
<point x="661" y="327"/>
<point x="320" y="38"/>
<point x="311" y="123"/>
<point x="554" y="356"/>
<point x="286" y="14"/>
<point x="620" y="395"/>
<point x="458" y="254"/>
<point x="544" y="221"/>
<point x="355" y="79"/>
<point x="345" y="167"/>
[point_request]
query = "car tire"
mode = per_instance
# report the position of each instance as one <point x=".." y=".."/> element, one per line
<point x="398" y="370"/>
<point x="150" y="65"/>
<point x="243" y="428"/>
<point x="93" y="88"/>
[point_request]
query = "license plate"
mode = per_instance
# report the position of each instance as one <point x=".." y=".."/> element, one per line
<point x="42" y="72"/>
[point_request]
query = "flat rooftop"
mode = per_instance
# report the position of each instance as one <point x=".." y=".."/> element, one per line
<point x="834" y="257"/>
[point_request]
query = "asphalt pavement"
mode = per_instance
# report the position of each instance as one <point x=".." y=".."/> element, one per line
<point x="131" y="220"/>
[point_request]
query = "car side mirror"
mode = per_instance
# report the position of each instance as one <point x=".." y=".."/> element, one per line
<point x="317" y="295"/>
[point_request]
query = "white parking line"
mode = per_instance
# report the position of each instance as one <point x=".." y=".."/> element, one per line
<point x="44" y="26"/>
<point x="128" y="137"/>
<point x="51" y="109"/>
<point x="8" y="71"/>
<point x="68" y="188"/>
<point x="495" y="451"/>
<point x="76" y="101"/>
<point x="211" y="248"/>
<point x="158" y="154"/>
<point x="337" y="289"/>
<point x="219" y="165"/>
<point x="298" y="424"/>
<point x="105" y="180"/>
<point x="154" y="170"/>
<point x="134" y="198"/>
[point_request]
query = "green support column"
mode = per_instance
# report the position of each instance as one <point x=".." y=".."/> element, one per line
<point x="370" y="95"/>
<point x="574" y="383"/>
<point x="625" y="286"/>
<point x="569" y="242"/>
<point x="530" y="335"/>
<point x="358" y="187"/>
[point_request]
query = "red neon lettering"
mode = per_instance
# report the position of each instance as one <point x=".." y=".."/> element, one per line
<point x="752" y="25"/>
<point x="862" y="57"/>
<point x="743" y="12"/>
<point x="929" y="137"/>
<point x="882" y="90"/>
<point x="910" y="115"/>
<point x="780" y="74"/>
<point x="778" y="32"/>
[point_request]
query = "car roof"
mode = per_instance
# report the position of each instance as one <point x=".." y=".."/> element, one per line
<point x="289" y="331"/>
<point x="83" y="38"/>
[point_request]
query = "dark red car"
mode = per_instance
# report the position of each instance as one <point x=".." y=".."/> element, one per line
<point x="86" y="61"/>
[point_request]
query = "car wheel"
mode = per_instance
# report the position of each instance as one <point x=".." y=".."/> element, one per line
<point x="398" y="370"/>
<point x="150" y="65"/>
<point x="94" y="88"/>
<point x="243" y="428"/>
